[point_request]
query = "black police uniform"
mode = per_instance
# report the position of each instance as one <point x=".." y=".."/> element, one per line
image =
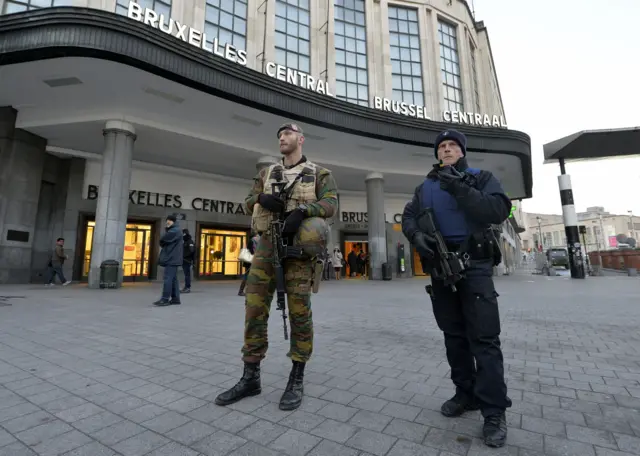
<point x="464" y="210"/>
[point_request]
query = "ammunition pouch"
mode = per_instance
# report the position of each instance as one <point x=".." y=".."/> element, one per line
<point x="484" y="246"/>
<point x="295" y="253"/>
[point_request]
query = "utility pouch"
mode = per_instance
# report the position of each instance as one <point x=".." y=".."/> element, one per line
<point x="318" y="268"/>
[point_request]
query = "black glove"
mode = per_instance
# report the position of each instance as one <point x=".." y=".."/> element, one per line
<point x="270" y="202"/>
<point x="422" y="242"/>
<point x="293" y="221"/>
<point x="451" y="181"/>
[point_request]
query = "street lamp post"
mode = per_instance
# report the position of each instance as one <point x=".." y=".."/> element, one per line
<point x="540" y="239"/>
<point x="631" y="227"/>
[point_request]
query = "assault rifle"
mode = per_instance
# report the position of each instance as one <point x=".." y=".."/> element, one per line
<point x="450" y="268"/>
<point x="279" y="252"/>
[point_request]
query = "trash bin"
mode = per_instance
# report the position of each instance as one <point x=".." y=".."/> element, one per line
<point x="386" y="271"/>
<point x="109" y="272"/>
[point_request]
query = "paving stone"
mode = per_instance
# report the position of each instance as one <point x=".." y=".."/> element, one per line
<point x="566" y="416"/>
<point x="405" y="448"/>
<point x="191" y="432"/>
<point x="97" y="422"/>
<point x="144" y="413"/>
<point x="263" y="432"/>
<point x="525" y="439"/>
<point x="448" y="441"/>
<point x="140" y="444"/>
<point x="17" y="411"/>
<point x="38" y="434"/>
<point x="329" y="448"/>
<point x="208" y="413"/>
<point x="173" y="449"/>
<point x="372" y="442"/>
<point x="295" y="443"/>
<point x="543" y="426"/>
<point x="6" y="438"/>
<point x="555" y="446"/>
<point x="25" y="422"/>
<point x="253" y="449"/>
<point x="371" y="404"/>
<point x="80" y="412"/>
<point x="370" y="420"/>
<point x="165" y="422"/>
<point x="628" y="443"/>
<point x="302" y="421"/>
<point x="406" y="430"/>
<point x="334" y="430"/>
<point x="117" y="432"/>
<point x="92" y="449"/>
<point x="339" y="396"/>
<point x="62" y="443"/>
<point x="406" y="412"/>
<point x="337" y="412"/>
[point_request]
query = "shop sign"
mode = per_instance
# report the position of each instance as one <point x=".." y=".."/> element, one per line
<point x="363" y="217"/>
<point x="141" y="198"/>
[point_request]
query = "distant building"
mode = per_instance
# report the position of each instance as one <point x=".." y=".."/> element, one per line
<point x="601" y="229"/>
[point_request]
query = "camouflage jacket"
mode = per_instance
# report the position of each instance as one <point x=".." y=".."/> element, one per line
<point x="326" y="192"/>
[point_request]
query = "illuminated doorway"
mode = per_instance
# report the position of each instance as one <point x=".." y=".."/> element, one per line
<point x="137" y="247"/>
<point x="219" y="251"/>
<point x="357" y="247"/>
<point x="417" y="264"/>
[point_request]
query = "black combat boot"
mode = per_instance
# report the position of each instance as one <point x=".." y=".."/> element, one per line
<point x="458" y="404"/>
<point x="292" y="396"/>
<point x="495" y="430"/>
<point x="249" y="385"/>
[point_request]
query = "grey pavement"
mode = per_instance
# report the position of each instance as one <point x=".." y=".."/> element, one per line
<point x="91" y="372"/>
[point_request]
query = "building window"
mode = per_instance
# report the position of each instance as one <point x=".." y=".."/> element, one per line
<point x="292" y="34"/>
<point x="161" y="7"/>
<point x="227" y="21"/>
<point x="406" y="62"/>
<point x="352" y="80"/>
<point x="450" y="67"/>
<point x="474" y="70"/>
<point x="12" y="6"/>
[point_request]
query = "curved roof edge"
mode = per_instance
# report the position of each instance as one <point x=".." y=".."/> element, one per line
<point x="83" y="32"/>
<point x="594" y="145"/>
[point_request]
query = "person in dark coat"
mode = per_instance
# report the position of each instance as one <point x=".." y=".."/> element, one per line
<point x="171" y="257"/>
<point x="352" y="259"/>
<point x="189" y="256"/>
<point x="465" y="203"/>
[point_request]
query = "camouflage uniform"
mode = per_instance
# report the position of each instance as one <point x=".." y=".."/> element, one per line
<point x="298" y="273"/>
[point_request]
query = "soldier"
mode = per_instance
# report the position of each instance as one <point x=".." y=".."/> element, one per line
<point x="465" y="203"/>
<point x="313" y="199"/>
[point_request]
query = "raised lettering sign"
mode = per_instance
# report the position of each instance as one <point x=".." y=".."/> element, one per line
<point x="141" y="198"/>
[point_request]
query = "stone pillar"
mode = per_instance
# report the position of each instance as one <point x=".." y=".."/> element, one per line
<point x="22" y="157"/>
<point x="264" y="161"/>
<point x="113" y="198"/>
<point x="377" y="227"/>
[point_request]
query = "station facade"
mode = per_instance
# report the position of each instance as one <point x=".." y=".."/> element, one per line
<point x="114" y="115"/>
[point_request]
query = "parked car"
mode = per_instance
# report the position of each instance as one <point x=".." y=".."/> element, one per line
<point x="558" y="256"/>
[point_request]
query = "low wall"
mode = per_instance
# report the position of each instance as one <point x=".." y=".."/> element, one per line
<point x="617" y="259"/>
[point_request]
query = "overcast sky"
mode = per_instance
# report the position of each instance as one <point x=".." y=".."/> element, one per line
<point x="565" y="66"/>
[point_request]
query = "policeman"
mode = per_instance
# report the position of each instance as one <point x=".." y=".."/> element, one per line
<point x="313" y="199"/>
<point x="465" y="203"/>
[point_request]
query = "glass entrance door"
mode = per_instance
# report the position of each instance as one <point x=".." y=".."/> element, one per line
<point x="219" y="251"/>
<point x="137" y="247"/>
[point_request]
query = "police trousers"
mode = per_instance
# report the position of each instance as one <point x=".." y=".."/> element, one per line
<point x="470" y="321"/>
<point x="261" y="284"/>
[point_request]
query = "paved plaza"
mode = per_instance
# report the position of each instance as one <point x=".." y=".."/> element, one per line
<point x="99" y="373"/>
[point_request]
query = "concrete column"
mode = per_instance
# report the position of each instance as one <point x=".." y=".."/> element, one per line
<point x="377" y="227"/>
<point x="264" y="161"/>
<point x="570" y="220"/>
<point x="113" y="198"/>
<point x="22" y="157"/>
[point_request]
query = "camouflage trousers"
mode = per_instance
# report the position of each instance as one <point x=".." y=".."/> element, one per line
<point x="261" y="285"/>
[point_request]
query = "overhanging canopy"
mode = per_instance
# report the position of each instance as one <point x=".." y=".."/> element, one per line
<point x="594" y="144"/>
